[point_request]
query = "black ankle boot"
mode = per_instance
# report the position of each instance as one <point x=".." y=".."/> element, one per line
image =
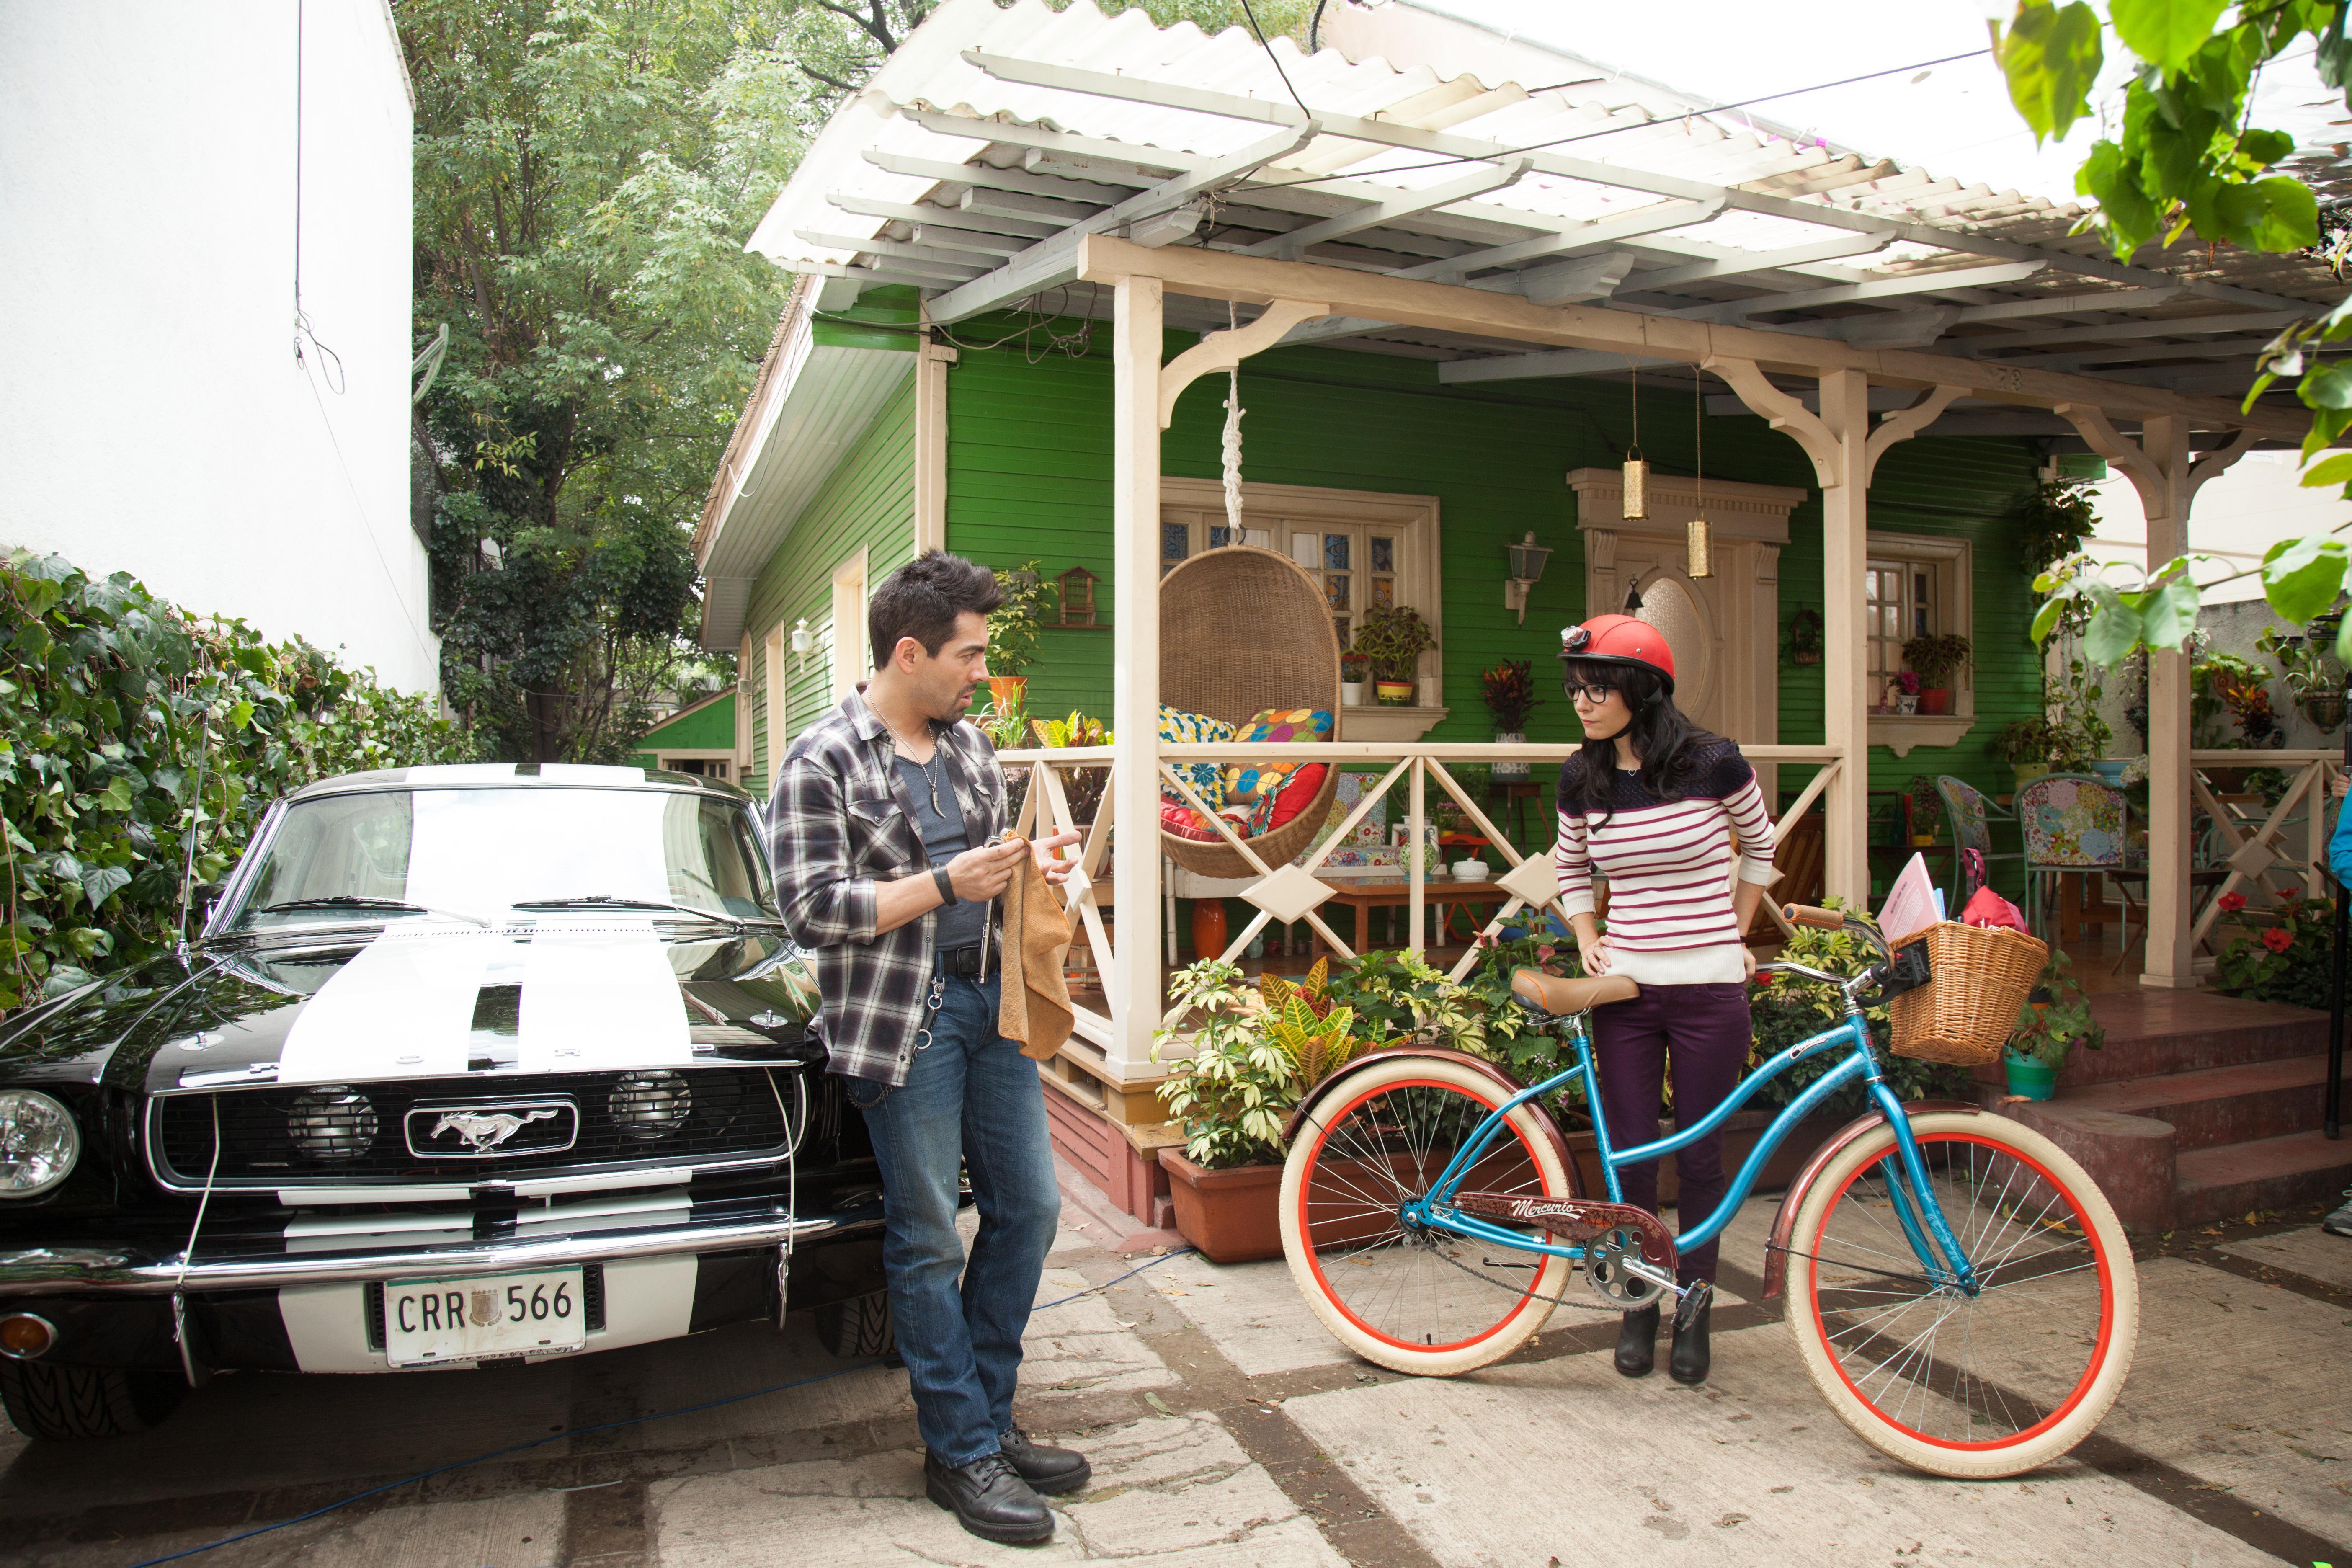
<point x="1689" y="1362"/>
<point x="1637" y="1342"/>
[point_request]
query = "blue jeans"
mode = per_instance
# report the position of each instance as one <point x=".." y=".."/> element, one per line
<point x="971" y="1099"/>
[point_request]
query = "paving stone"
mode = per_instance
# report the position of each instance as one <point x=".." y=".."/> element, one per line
<point x="1252" y="1311"/>
<point x="1516" y="1465"/>
<point x="2240" y="1384"/>
<point x="2311" y="1253"/>
<point x="1178" y="1493"/>
<point x="518" y="1530"/>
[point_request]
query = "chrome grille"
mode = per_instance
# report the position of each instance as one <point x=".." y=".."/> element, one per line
<point x="356" y="1132"/>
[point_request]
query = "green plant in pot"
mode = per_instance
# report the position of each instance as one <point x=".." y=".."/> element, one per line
<point x="1927" y="810"/>
<point x="1937" y="659"/>
<point x="2313" y="678"/>
<point x="2055" y="1019"/>
<point x="1012" y="632"/>
<point x="2024" y="745"/>
<point x="1391" y="638"/>
<point x="1509" y="693"/>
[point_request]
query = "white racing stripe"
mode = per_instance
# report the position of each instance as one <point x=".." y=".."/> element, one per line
<point x="401" y="1008"/>
<point x="598" y="994"/>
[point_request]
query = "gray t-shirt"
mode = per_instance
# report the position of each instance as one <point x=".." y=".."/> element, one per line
<point x="943" y="839"/>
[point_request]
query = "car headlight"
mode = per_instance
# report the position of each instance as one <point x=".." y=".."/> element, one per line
<point x="38" y="1142"/>
<point x="332" y="1124"/>
<point x="650" y="1105"/>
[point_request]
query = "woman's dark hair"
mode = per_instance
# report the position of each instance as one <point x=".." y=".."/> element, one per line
<point x="922" y="599"/>
<point x="1670" y="747"/>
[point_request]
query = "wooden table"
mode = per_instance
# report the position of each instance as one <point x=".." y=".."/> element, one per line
<point x="1366" y="894"/>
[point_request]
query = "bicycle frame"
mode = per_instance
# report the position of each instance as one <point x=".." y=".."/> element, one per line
<point x="1921" y="1217"/>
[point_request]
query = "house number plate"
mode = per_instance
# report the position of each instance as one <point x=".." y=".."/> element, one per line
<point x="428" y="1322"/>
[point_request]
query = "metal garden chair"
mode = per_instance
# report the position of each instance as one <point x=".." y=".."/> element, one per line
<point x="2073" y="822"/>
<point x="1973" y="816"/>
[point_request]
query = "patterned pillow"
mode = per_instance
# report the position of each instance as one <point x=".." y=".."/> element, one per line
<point x="1256" y="780"/>
<point x="1207" y="779"/>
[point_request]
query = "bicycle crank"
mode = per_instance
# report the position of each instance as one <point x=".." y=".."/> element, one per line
<point x="1616" y="1272"/>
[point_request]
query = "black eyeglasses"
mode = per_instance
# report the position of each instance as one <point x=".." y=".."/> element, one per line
<point x="1596" y="695"/>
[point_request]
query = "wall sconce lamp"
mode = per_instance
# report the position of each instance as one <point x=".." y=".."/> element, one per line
<point x="1528" y="560"/>
<point x="803" y="639"/>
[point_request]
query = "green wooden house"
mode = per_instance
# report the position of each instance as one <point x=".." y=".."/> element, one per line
<point x="697" y="738"/>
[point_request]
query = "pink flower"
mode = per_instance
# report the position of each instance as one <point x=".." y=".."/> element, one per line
<point x="2232" y="902"/>
<point x="1544" y="952"/>
<point x="2276" y="940"/>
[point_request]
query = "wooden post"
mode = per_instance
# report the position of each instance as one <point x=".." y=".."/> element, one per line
<point x="1134" y="979"/>
<point x="1416" y="874"/>
<point x="1845" y="659"/>
<point x="931" y="363"/>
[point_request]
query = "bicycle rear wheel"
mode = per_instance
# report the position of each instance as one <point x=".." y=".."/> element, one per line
<point x="1980" y="1386"/>
<point x="1409" y="1298"/>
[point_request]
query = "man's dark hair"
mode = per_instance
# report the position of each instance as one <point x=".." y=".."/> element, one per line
<point x="922" y="599"/>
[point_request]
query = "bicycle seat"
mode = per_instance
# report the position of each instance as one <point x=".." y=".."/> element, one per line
<point x="1555" y="994"/>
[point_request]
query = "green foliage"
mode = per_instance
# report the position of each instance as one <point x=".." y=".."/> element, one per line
<point x="1785" y="1009"/>
<point x="2225" y="683"/>
<point x="1509" y="690"/>
<point x="1012" y="626"/>
<point x="2051" y="524"/>
<point x="2289" y="961"/>
<point x="1402" y="996"/>
<point x="2056" y="1018"/>
<point x="2051" y="57"/>
<point x="2302" y="659"/>
<point x="1391" y="638"/>
<point x="1937" y="657"/>
<point x="109" y="699"/>
<point x="586" y="175"/>
<point x="2023" y="741"/>
<point x="1232" y="1093"/>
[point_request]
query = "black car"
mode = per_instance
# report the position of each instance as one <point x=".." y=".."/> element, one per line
<point x="470" y="1064"/>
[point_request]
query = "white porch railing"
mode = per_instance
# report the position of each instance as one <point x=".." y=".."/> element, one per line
<point x="2257" y="855"/>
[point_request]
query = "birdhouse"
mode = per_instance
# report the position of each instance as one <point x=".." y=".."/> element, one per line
<point x="1077" y="592"/>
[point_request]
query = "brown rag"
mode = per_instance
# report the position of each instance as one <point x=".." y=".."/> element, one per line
<point x="1034" y="1005"/>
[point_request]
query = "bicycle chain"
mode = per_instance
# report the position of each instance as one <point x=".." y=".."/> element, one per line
<point x="1555" y="1301"/>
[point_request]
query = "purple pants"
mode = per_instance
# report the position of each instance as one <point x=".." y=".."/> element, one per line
<point x="1702" y="1033"/>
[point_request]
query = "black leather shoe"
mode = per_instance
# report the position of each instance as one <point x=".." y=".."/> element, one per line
<point x="989" y="1499"/>
<point x="1049" y="1471"/>
<point x="1688" y="1362"/>
<point x="1637" y="1341"/>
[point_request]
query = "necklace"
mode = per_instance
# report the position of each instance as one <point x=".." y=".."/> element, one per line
<point x="930" y="772"/>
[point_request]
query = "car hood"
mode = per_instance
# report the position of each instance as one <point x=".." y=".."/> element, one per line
<point x="427" y="999"/>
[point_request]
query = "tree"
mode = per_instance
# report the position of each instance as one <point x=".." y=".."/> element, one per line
<point x="587" y="171"/>
<point x="2186" y="157"/>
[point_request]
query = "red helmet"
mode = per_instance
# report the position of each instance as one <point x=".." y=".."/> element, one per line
<point x="1620" y="640"/>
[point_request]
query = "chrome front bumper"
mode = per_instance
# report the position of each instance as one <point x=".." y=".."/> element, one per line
<point x="122" y="1270"/>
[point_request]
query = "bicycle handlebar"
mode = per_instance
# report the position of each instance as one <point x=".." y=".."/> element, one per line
<point x="1811" y="915"/>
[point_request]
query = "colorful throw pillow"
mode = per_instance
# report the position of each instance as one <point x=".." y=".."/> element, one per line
<point x="1207" y="779"/>
<point x="1185" y="822"/>
<point x="1257" y="781"/>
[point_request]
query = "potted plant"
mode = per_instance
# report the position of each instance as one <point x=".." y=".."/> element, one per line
<point x="1391" y="638"/>
<point x="1805" y="638"/>
<point x="1251" y="1059"/>
<point x="2056" y="1018"/>
<point x="1082" y="786"/>
<point x="1353" y="671"/>
<point x="1937" y="659"/>
<point x="2024" y="745"/>
<point x="1907" y="691"/>
<point x="1012" y="635"/>
<point x="1509" y="690"/>
<point x="2315" y="679"/>
<point x="1927" y="811"/>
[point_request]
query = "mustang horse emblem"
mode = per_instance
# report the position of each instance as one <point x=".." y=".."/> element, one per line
<point x="485" y="1131"/>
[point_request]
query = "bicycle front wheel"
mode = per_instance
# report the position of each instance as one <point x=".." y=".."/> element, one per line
<point x="1972" y="1387"/>
<point x="1410" y="1298"/>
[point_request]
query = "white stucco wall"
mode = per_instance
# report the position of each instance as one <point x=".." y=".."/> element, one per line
<point x="2235" y="518"/>
<point x="153" y="415"/>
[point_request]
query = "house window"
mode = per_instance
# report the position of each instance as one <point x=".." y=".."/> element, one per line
<point x="1357" y="565"/>
<point x="1900" y="602"/>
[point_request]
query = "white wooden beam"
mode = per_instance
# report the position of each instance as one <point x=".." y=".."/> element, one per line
<point x="1134" y="977"/>
<point x="1871" y="288"/>
<point x="1291" y="246"/>
<point x="2071" y="304"/>
<point x="2110" y="332"/>
<point x="1735" y="266"/>
<point x="1788" y="414"/>
<point x="997" y="179"/>
<point x="955" y="263"/>
<point x="931" y="214"/>
<point x="1582" y="236"/>
<point x="1223" y="351"/>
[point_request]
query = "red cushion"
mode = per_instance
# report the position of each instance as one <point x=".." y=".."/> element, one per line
<point x="1297" y="792"/>
<point x="1185" y="822"/>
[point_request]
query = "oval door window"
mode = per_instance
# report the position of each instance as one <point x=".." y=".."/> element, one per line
<point x="1667" y="604"/>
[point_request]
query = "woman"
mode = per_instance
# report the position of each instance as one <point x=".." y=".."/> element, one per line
<point x="1652" y="802"/>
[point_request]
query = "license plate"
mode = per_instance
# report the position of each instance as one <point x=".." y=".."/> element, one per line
<point x="429" y="1321"/>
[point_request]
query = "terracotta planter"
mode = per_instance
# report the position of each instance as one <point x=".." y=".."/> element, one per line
<point x="1230" y="1215"/>
<point x="1396" y="693"/>
<point x="1008" y="691"/>
<point x="1934" y="700"/>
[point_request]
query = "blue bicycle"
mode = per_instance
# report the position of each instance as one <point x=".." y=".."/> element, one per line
<point x="1961" y="1293"/>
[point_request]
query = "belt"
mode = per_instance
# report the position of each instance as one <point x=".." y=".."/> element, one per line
<point x="963" y="961"/>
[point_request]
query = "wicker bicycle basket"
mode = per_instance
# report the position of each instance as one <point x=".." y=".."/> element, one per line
<point x="1966" y="1012"/>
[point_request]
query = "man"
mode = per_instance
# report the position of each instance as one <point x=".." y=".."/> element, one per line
<point x="881" y="826"/>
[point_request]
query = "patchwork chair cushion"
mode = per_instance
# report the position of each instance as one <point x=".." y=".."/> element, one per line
<point x="1255" y="781"/>
<point x="1207" y="779"/>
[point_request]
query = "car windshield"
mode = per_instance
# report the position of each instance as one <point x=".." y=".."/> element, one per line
<point x="478" y="855"/>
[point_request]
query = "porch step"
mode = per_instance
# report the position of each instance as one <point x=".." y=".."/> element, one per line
<point x="2228" y="1181"/>
<point x="2215" y="1106"/>
<point x="2155" y="1033"/>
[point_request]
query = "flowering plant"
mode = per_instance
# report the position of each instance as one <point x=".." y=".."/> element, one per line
<point x="1909" y="681"/>
<point x="2288" y="961"/>
<point x="2232" y="902"/>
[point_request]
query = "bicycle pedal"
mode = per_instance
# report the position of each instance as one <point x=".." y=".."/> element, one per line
<point x="1693" y="1300"/>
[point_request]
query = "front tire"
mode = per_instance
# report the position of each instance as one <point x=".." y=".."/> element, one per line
<point x="1974" y="1387"/>
<point x="72" y="1404"/>
<point x="1421" y="1301"/>
<point x="859" y="1329"/>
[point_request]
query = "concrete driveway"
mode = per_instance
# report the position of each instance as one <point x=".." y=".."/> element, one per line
<point x="1226" y="1429"/>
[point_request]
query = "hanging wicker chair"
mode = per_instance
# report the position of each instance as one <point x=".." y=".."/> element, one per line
<point x="1243" y="629"/>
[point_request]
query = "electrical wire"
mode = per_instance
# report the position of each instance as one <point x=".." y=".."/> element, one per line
<point x="599" y="1427"/>
<point x="1276" y="58"/>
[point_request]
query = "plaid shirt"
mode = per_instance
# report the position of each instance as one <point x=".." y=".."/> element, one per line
<point x="839" y="822"/>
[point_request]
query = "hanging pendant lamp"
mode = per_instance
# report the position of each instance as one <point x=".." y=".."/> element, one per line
<point x="1700" y="549"/>
<point x="1637" y="472"/>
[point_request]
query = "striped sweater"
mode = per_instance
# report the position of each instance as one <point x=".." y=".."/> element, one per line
<point x="1669" y="865"/>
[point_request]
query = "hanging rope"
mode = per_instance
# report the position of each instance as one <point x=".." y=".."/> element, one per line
<point x="1232" y="443"/>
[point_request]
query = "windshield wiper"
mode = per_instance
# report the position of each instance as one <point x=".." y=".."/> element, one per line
<point x="607" y="901"/>
<point x="356" y="901"/>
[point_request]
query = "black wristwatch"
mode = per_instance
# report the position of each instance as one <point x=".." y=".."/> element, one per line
<point x="948" y="898"/>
